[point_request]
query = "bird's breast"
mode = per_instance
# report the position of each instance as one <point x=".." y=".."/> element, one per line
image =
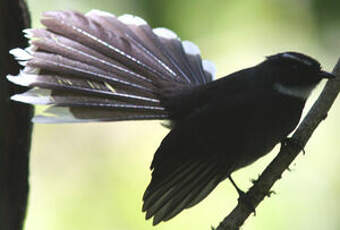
<point x="269" y="124"/>
<point x="240" y="135"/>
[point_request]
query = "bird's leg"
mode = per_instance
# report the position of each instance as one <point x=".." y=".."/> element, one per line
<point x="292" y="141"/>
<point x="239" y="191"/>
<point x="243" y="198"/>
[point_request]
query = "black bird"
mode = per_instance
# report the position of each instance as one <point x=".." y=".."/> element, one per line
<point x="99" y="67"/>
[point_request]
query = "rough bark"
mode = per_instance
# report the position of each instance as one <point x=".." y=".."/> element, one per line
<point x="15" y="125"/>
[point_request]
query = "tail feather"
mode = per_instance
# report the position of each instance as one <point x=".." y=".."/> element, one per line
<point x="193" y="54"/>
<point x="174" y="50"/>
<point x="139" y="33"/>
<point x="64" y="66"/>
<point x="46" y="97"/>
<point x="69" y="85"/>
<point x="54" y="114"/>
<point x="99" y="67"/>
<point x="86" y="31"/>
<point x="57" y="44"/>
<point x="209" y="70"/>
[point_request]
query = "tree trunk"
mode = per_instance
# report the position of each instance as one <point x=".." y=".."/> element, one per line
<point x="15" y="124"/>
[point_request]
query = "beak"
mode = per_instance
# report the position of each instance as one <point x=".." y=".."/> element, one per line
<point x="324" y="74"/>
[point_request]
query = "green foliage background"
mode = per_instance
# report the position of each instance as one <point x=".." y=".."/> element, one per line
<point x="92" y="176"/>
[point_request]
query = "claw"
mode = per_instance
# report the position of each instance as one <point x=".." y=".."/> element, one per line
<point x="243" y="197"/>
<point x="271" y="192"/>
<point x="253" y="181"/>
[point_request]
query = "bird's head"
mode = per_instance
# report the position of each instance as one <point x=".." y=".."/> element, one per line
<point x="295" y="74"/>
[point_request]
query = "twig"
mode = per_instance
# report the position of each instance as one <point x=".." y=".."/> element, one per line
<point x="287" y="154"/>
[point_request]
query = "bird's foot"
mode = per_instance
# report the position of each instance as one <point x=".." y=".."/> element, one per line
<point x="245" y="201"/>
<point x="243" y="198"/>
<point x="293" y="142"/>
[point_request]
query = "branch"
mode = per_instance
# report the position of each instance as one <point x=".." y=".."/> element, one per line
<point x="287" y="154"/>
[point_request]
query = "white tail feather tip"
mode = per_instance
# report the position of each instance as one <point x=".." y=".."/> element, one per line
<point x="20" y="54"/>
<point x="22" y="79"/>
<point x="209" y="67"/>
<point x="131" y="20"/>
<point x="15" y="80"/>
<point x="28" y="33"/>
<point x="36" y="96"/>
<point x="165" y="33"/>
<point x="22" y="63"/>
<point x="191" y="48"/>
<point x="31" y="99"/>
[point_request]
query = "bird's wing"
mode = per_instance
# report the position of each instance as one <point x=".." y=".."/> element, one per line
<point x="179" y="179"/>
<point x="99" y="67"/>
<point x="198" y="154"/>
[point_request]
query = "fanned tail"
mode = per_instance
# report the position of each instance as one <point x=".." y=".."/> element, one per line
<point x="99" y="67"/>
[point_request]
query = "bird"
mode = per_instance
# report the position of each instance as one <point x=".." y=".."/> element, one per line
<point x="98" y="67"/>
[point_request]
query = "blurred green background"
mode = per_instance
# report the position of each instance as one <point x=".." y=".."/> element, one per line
<point x="92" y="176"/>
